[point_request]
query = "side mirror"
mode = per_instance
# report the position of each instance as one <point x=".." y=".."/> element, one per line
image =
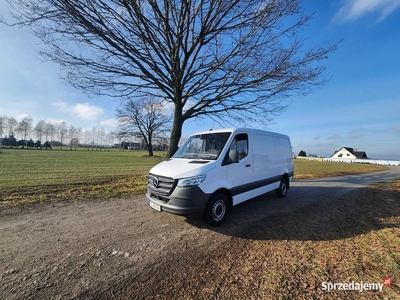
<point x="233" y="156"/>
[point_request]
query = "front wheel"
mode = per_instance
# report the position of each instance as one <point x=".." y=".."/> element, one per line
<point x="217" y="210"/>
<point x="281" y="191"/>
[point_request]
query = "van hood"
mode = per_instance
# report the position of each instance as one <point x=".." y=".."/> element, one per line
<point x="177" y="168"/>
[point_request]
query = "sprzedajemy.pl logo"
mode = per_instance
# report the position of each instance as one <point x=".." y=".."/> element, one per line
<point x="356" y="286"/>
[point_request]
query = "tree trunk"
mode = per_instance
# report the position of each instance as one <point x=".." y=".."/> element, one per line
<point x="150" y="146"/>
<point x="150" y="150"/>
<point x="176" y="131"/>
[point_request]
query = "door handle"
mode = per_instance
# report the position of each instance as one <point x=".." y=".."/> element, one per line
<point x="248" y="165"/>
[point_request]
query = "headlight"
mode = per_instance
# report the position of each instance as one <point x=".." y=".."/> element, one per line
<point x="191" y="181"/>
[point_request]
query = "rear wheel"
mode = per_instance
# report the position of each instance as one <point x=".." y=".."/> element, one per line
<point x="281" y="191"/>
<point x="217" y="210"/>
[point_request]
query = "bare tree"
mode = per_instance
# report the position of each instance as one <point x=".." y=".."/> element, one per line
<point x="111" y="137"/>
<point x="94" y="136"/>
<point x="101" y="134"/>
<point x="146" y="115"/>
<point x="227" y="60"/>
<point x="39" y="129"/>
<point x="87" y="137"/>
<point x="24" y="126"/>
<point x="74" y="133"/>
<point x="62" y="131"/>
<point x="49" y="130"/>
<point x="3" y="121"/>
<point x="78" y="136"/>
<point x="12" y="124"/>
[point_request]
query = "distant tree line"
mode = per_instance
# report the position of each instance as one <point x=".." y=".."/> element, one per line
<point x="12" y="142"/>
<point x="303" y="153"/>
<point x="47" y="135"/>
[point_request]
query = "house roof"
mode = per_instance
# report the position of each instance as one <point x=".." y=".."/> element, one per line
<point x="358" y="154"/>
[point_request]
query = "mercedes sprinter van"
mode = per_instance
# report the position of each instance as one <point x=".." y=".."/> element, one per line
<point x="215" y="170"/>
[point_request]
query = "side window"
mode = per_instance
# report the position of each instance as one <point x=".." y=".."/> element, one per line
<point x="241" y="144"/>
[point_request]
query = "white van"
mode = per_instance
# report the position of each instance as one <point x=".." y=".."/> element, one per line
<point x="215" y="170"/>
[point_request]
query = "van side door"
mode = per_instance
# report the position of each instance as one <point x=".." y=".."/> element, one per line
<point x="240" y="172"/>
<point x="265" y="175"/>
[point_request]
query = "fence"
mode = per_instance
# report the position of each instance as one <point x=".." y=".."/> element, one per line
<point x="384" y="162"/>
<point x="366" y="161"/>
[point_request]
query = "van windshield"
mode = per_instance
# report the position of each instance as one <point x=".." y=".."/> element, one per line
<point x="203" y="146"/>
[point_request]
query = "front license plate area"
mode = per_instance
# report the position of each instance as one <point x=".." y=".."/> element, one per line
<point x="155" y="206"/>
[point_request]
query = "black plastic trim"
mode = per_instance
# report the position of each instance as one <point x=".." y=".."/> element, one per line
<point x="254" y="185"/>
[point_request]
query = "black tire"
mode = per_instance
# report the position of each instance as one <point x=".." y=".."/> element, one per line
<point x="217" y="210"/>
<point x="281" y="191"/>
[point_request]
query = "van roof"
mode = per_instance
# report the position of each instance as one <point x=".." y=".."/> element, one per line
<point x="244" y="130"/>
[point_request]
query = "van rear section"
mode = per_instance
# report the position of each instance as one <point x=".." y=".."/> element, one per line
<point x="216" y="170"/>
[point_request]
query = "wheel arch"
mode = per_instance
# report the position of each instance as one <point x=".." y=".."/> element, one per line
<point x="286" y="176"/>
<point x="224" y="191"/>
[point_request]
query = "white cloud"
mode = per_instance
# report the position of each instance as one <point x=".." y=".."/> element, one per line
<point x="62" y="106"/>
<point x="55" y="121"/>
<point x="354" y="9"/>
<point x="87" y="112"/>
<point x="110" y="123"/>
<point x="20" y="117"/>
<point x="84" y="111"/>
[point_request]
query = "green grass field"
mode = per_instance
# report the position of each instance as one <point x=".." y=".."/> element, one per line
<point x="45" y="175"/>
<point x="306" y="169"/>
<point x="40" y="175"/>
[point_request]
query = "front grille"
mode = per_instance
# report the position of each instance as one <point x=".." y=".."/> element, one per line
<point x="160" y="184"/>
<point x="159" y="198"/>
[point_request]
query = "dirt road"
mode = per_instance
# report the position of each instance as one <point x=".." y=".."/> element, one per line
<point x="96" y="249"/>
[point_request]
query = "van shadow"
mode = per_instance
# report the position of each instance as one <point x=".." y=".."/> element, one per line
<point x="310" y="213"/>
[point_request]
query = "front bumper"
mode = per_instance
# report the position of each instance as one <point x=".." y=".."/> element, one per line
<point x="182" y="201"/>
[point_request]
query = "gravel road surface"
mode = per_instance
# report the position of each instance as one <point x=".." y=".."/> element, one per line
<point x="86" y="249"/>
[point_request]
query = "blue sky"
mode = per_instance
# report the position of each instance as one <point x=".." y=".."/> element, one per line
<point x="359" y="107"/>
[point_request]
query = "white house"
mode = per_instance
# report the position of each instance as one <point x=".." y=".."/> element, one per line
<point x="346" y="152"/>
